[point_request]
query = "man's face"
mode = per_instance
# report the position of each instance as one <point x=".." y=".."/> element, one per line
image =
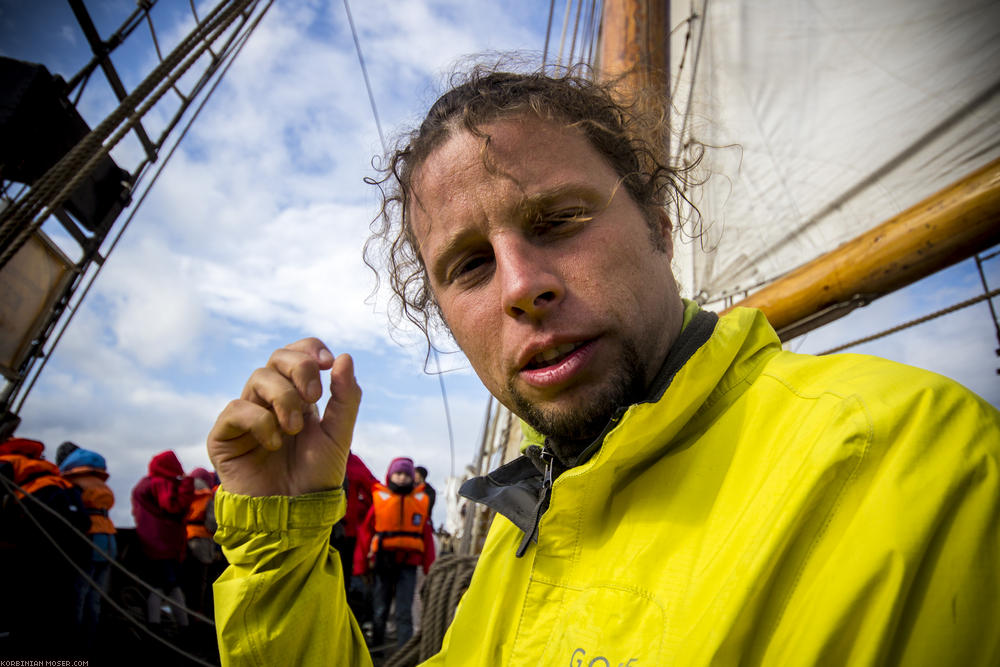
<point x="547" y="272"/>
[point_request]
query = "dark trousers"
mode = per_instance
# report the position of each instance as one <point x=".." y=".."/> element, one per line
<point x="88" y="601"/>
<point x="399" y="581"/>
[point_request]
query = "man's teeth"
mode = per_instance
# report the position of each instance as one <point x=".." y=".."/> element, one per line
<point x="548" y="355"/>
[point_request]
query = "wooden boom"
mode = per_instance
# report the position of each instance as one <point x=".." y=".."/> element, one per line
<point x="945" y="228"/>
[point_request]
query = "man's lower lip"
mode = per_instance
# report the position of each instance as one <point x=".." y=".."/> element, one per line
<point x="562" y="371"/>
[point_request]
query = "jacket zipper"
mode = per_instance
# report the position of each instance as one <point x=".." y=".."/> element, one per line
<point x="543" y="501"/>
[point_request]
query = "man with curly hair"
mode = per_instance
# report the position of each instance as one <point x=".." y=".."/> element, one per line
<point x="689" y="493"/>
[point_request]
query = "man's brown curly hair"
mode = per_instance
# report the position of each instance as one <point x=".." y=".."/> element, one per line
<point x="631" y="135"/>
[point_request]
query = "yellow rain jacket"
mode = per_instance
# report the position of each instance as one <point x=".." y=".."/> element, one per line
<point x="768" y="509"/>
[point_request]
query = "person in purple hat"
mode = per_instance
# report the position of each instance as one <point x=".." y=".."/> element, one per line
<point x="394" y="539"/>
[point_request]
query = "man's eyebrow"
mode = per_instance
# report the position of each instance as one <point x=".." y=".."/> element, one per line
<point x="534" y="203"/>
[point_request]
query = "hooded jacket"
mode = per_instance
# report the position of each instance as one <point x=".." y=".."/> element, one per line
<point x="763" y="508"/>
<point x="21" y="461"/>
<point x="358" y="484"/>
<point x="159" y="503"/>
<point x="27" y="468"/>
<point x="397" y="524"/>
<point x="88" y="471"/>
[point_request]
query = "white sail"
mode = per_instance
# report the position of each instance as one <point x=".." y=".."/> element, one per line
<point x="835" y="115"/>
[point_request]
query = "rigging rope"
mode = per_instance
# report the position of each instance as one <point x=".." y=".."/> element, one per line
<point x="913" y="323"/>
<point x="107" y="598"/>
<point x="548" y="31"/>
<point x="364" y="72"/>
<point x="385" y="149"/>
<point x="20" y="221"/>
<point x="235" y="51"/>
<point x="562" y="39"/>
<point x="86" y="538"/>
<point x="576" y="29"/>
<point x="694" y="71"/>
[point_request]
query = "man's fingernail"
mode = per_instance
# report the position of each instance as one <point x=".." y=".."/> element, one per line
<point x="314" y="390"/>
<point x="295" y="421"/>
<point x="325" y="356"/>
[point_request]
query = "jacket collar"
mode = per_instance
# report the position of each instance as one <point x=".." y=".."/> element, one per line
<point x="707" y="368"/>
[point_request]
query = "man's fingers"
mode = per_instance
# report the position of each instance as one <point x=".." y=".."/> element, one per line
<point x="302" y="370"/>
<point x="314" y="348"/>
<point x="269" y="389"/>
<point x="345" y="397"/>
<point x="227" y="438"/>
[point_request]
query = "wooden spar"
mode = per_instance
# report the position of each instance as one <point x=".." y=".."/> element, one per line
<point x="634" y="42"/>
<point x="945" y="228"/>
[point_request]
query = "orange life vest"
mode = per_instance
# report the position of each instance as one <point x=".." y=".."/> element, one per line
<point x="399" y="520"/>
<point x="98" y="499"/>
<point x="33" y="474"/>
<point x="195" y="519"/>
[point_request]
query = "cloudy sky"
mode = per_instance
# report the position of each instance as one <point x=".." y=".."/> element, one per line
<point x="251" y="239"/>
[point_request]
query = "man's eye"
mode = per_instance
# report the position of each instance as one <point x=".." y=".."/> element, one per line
<point x="468" y="266"/>
<point x="562" y="218"/>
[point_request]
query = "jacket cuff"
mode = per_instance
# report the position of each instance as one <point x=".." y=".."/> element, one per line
<point x="284" y="517"/>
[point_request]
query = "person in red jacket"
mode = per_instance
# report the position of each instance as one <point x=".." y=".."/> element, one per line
<point x="394" y="539"/>
<point x="159" y="503"/>
<point x="358" y="484"/>
<point x="34" y="547"/>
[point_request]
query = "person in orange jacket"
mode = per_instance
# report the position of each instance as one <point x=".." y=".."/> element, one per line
<point x="394" y="539"/>
<point x="202" y="551"/>
<point x="88" y="471"/>
<point x="34" y="547"/>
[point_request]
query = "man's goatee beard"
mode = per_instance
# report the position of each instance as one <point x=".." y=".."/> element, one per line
<point x="582" y="423"/>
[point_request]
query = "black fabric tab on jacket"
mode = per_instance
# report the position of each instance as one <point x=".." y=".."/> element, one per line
<point x="513" y="490"/>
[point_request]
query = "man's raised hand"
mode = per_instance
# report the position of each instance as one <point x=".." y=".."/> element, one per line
<point x="271" y="441"/>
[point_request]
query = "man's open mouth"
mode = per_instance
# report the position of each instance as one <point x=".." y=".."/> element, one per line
<point x="551" y="356"/>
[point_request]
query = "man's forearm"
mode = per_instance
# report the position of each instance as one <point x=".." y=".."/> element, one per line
<point x="282" y="600"/>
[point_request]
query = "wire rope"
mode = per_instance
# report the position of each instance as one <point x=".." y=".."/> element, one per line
<point x="385" y="149"/>
<point x="548" y="32"/>
<point x="913" y="323"/>
<point x="364" y="73"/>
<point x="576" y="30"/>
<point x="562" y="39"/>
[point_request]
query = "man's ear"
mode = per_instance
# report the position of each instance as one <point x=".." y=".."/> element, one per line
<point x="665" y="229"/>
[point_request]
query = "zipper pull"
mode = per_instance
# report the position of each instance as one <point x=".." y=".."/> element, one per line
<point x="548" y="457"/>
<point x="543" y="501"/>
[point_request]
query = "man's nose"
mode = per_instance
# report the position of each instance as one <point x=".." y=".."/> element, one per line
<point x="530" y="284"/>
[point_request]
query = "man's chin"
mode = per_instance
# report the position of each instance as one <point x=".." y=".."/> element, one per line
<point x="567" y="419"/>
<point x="582" y="413"/>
